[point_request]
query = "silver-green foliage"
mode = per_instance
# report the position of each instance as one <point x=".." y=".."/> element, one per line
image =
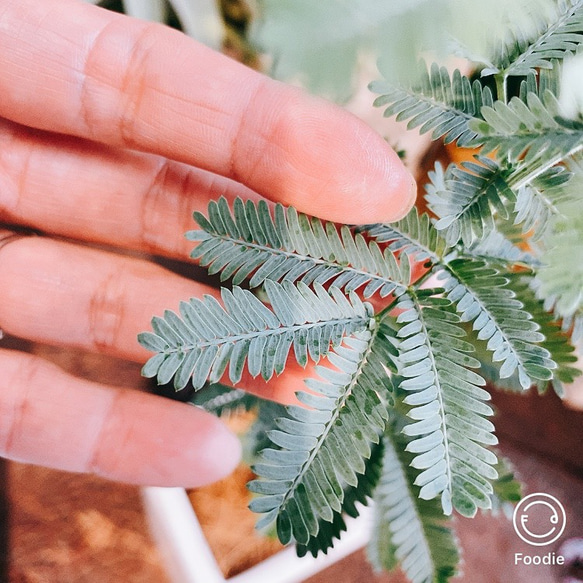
<point x="552" y="37"/>
<point x="483" y="297"/>
<point x="321" y="42"/>
<point x="413" y="235"/>
<point x="437" y="103"/>
<point x="531" y="176"/>
<point x="199" y="344"/>
<point x="399" y="407"/>
<point x="520" y="131"/>
<point x="465" y="198"/>
<point x="408" y="530"/>
<point x="324" y="448"/>
<point x="249" y="243"/>
<point x="354" y="497"/>
<point x="446" y="400"/>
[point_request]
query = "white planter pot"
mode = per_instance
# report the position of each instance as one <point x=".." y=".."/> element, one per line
<point x="189" y="559"/>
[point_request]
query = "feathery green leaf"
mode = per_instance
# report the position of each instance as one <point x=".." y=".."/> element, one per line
<point x="528" y="131"/>
<point x="291" y="246"/>
<point x="414" y="235"/>
<point x="482" y="295"/>
<point x="409" y="530"/>
<point x="199" y="344"/>
<point x="540" y="82"/>
<point x="552" y="39"/>
<point x="323" y="449"/>
<point x="561" y="275"/>
<point x="465" y="197"/>
<point x="496" y="248"/>
<point x="537" y="200"/>
<point x="437" y="103"/>
<point x="328" y="532"/>
<point x="447" y="406"/>
<point x="556" y="341"/>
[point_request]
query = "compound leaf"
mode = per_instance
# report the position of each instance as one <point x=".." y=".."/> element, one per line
<point x="409" y="530"/>
<point x="323" y="449"/>
<point x="465" y="198"/>
<point x="207" y="338"/>
<point x="414" y="235"/>
<point x="250" y="243"/>
<point x="553" y="38"/>
<point x="483" y="296"/>
<point x="436" y="103"/>
<point x="448" y="412"/>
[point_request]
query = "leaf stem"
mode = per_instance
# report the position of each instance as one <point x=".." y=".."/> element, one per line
<point x="501" y="86"/>
<point x="516" y="181"/>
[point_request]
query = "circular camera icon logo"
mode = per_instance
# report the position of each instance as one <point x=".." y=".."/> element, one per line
<point x="539" y="519"/>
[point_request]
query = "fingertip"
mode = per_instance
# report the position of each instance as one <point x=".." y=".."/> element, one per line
<point x="330" y="164"/>
<point x="205" y="449"/>
<point x="402" y="197"/>
<point x="221" y="450"/>
<point x="387" y="190"/>
<point x="151" y="441"/>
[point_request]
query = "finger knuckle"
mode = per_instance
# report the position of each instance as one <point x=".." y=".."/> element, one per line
<point x="113" y="83"/>
<point x="106" y="311"/>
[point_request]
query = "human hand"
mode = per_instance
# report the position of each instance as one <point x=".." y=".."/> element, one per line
<point x="114" y="131"/>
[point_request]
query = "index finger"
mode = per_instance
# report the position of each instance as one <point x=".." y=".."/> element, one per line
<point x="77" y="69"/>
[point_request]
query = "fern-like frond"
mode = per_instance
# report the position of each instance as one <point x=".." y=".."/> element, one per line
<point x="482" y="295"/>
<point x="438" y="103"/>
<point x="447" y="405"/>
<point x="465" y="197"/>
<point x="561" y="276"/>
<point x="557" y="39"/>
<point x="324" y="448"/>
<point x="528" y="131"/>
<point x="328" y="532"/>
<point x="207" y="337"/>
<point x="536" y="202"/>
<point x="414" y="235"/>
<point x="407" y="529"/>
<point x="541" y="82"/>
<point x="291" y="246"/>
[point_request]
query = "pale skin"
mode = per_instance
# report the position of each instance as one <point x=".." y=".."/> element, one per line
<point x="113" y="131"/>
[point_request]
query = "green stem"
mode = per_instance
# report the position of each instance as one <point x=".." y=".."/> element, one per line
<point x="518" y="180"/>
<point x="501" y="88"/>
